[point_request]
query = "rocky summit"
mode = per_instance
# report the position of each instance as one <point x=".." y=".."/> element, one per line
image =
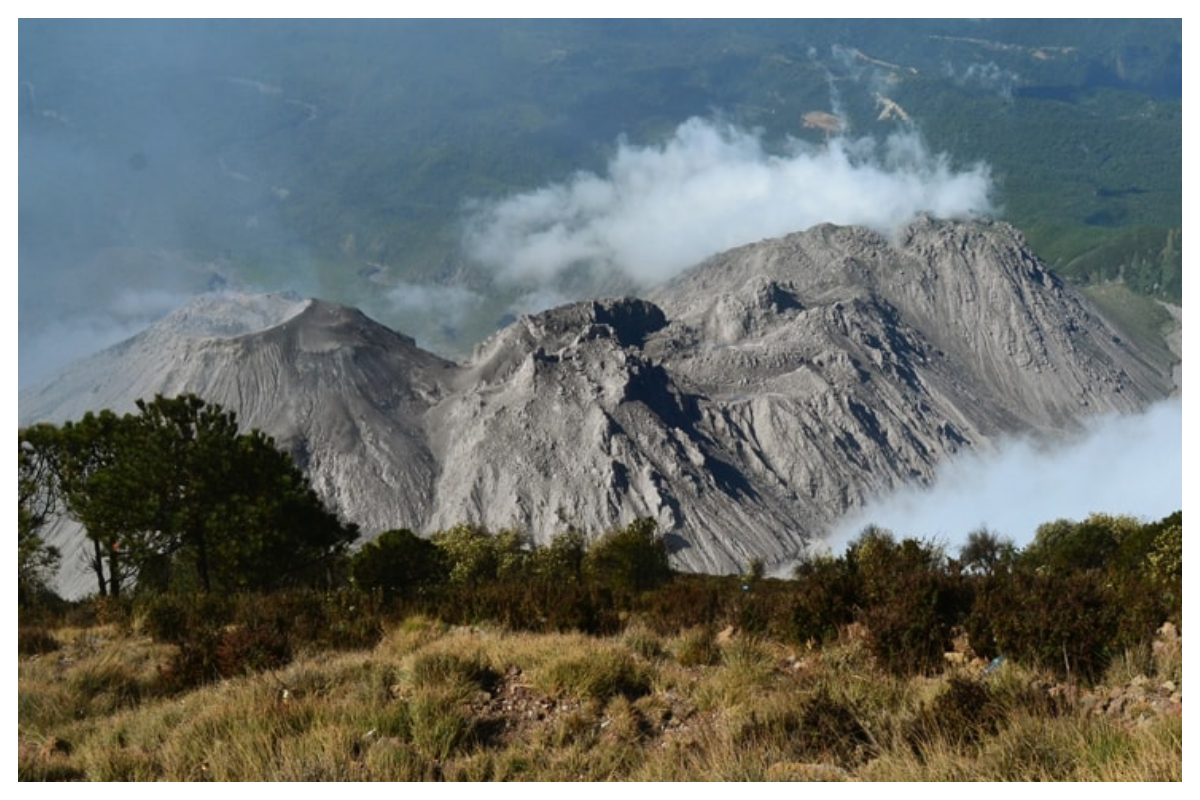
<point x="746" y="406"/>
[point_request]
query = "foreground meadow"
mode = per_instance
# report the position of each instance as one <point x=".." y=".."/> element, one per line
<point x="430" y="701"/>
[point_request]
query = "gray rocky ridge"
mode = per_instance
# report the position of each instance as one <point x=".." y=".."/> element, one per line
<point x="746" y="406"/>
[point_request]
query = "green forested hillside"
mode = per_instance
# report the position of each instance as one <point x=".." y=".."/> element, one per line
<point x="338" y="157"/>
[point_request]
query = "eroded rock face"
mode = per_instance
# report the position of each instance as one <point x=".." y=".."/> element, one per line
<point x="746" y="406"/>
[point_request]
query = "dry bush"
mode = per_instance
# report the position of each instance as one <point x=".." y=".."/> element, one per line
<point x="642" y="641"/>
<point x="34" y="641"/>
<point x="697" y="647"/>
<point x="599" y="675"/>
<point x="447" y="668"/>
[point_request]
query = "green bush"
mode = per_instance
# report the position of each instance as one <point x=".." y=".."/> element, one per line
<point x="830" y="730"/>
<point x="826" y="594"/>
<point x="167" y="618"/>
<point x="473" y="554"/>
<point x="629" y="559"/>
<point x="400" y="564"/>
<point x="686" y="601"/>
<point x="960" y="715"/>
<point x="910" y="601"/>
<point x="823" y="729"/>
<point x="175" y="618"/>
<point x="1066" y="624"/>
<point x="562" y="560"/>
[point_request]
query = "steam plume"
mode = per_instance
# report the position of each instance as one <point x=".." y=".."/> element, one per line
<point x="1122" y="465"/>
<point x="661" y="209"/>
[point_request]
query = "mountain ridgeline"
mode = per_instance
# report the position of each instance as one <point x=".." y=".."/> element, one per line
<point x="746" y="406"/>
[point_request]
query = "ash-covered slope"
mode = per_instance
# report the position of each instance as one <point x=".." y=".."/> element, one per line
<point x="343" y="394"/>
<point x="1003" y="332"/>
<point x="748" y="407"/>
<point x="776" y="387"/>
<point x="562" y="418"/>
<point x="834" y="364"/>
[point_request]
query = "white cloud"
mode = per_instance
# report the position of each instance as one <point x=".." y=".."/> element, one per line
<point x="661" y="209"/>
<point x="986" y="76"/>
<point x="1121" y="465"/>
<point x="48" y="345"/>
<point x="451" y="304"/>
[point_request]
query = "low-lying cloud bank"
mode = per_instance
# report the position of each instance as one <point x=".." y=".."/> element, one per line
<point x="661" y="209"/>
<point x="1121" y="465"/>
<point x="51" y="343"/>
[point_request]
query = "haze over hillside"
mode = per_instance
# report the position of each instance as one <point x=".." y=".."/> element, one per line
<point x="747" y="406"/>
<point x="447" y="175"/>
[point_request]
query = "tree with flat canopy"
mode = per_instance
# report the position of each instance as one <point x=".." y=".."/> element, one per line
<point x="175" y="497"/>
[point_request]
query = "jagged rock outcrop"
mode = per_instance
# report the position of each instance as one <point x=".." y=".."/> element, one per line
<point x="746" y="406"/>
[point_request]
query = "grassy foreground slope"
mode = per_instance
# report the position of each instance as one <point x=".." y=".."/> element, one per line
<point x="435" y="702"/>
<point x="889" y="662"/>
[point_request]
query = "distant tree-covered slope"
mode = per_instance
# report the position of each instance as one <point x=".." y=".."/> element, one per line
<point x="337" y="157"/>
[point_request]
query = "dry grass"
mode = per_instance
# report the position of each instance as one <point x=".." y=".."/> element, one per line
<point x="431" y="702"/>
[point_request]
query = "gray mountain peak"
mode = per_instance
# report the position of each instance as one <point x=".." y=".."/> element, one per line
<point x="746" y="406"/>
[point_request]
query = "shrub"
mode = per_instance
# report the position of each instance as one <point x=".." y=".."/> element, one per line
<point x="452" y="669"/>
<point x="598" y="676"/>
<point x="177" y="618"/>
<point x="911" y="602"/>
<point x="686" y="601"/>
<point x="830" y="730"/>
<point x="194" y="664"/>
<point x="35" y="641"/>
<point x="344" y="619"/>
<point x="400" y="564"/>
<point x="246" y="649"/>
<point x="823" y="729"/>
<point x="960" y="715"/>
<point x="1063" y="546"/>
<point x="629" y="559"/>
<point x="1067" y="624"/>
<point x="1160" y="568"/>
<point x="353" y="620"/>
<point x="697" y="648"/>
<point x="472" y="554"/>
<point x="826" y="594"/>
<point x="562" y="560"/>
<point x="166" y="618"/>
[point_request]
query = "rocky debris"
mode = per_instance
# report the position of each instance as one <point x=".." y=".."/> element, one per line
<point x="1134" y="702"/>
<point x="746" y="406"/>
<point x="1143" y="698"/>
